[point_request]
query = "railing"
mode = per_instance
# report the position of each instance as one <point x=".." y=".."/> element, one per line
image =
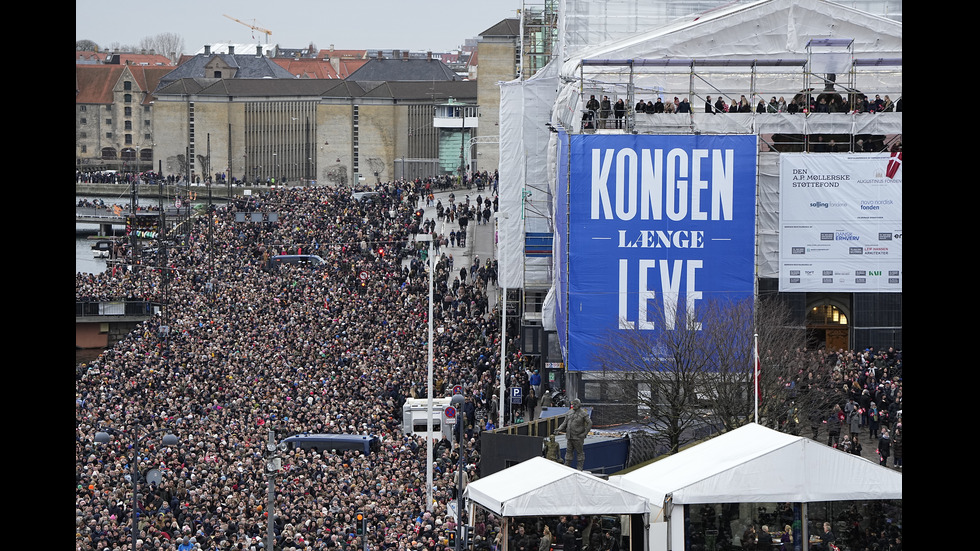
<point x="114" y="308"/>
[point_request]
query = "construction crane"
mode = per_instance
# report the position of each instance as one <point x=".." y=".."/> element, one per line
<point x="267" y="32"/>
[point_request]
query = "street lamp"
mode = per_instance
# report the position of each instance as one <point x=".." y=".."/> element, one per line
<point x="428" y="409"/>
<point x="457" y="401"/>
<point x="169" y="440"/>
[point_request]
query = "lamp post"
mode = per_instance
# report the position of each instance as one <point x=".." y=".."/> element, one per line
<point x="103" y="437"/>
<point x="428" y="409"/>
<point x="457" y="401"/>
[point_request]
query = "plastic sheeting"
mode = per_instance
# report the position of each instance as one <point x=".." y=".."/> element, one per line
<point x="524" y="188"/>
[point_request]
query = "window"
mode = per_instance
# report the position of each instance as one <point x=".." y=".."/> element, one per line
<point x="83" y="121"/>
<point x="82" y="108"/>
<point x="84" y="148"/>
<point x="108" y="135"/>
<point x="217" y="74"/>
<point x="129" y="138"/>
<point x="128" y="111"/>
<point x="129" y="125"/>
<point x="108" y="121"/>
<point x="128" y="98"/>
<point x="82" y="135"/>
<point x="127" y="85"/>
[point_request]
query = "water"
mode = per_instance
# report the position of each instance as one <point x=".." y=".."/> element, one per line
<point x="86" y="263"/>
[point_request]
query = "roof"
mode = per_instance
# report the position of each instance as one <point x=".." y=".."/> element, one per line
<point x="247" y="48"/>
<point x="247" y="66"/>
<point x="509" y="28"/>
<point x="259" y="87"/>
<point x="426" y="91"/>
<point x="94" y="83"/>
<point x="759" y="30"/>
<point x="540" y="486"/>
<point x="123" y="58"/>
<point x="348" y="54"/>
<point x="89" y="57"/>
<point x="386" y="70"/>
<point x="307" y="68"/>
<point x="757" y="464"/>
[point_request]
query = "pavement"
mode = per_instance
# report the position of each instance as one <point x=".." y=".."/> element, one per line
<point x="480" y="238"/>
<point x="869" y="446"/>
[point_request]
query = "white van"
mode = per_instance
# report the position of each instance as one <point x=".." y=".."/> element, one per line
<point x="414" y="421"/>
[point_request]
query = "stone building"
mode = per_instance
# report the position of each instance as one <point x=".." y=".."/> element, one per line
<point x="113" y="116"/>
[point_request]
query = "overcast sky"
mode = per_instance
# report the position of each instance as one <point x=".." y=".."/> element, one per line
<point x="416" y="25"/>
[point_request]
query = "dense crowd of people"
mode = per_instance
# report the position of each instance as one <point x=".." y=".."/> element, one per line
<point x="334" y="349"/>
<point x="294" y="350"/>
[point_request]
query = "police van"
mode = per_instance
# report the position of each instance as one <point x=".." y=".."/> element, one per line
<point x="333" y="443"/>
<point x="311" y="260"/>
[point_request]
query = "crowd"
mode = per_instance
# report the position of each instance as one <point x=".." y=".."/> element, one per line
<point x="325" y="350"/>
<point x="295" y="350"/>
<point x="601" y="111"/>
<point x="803" y="103"/>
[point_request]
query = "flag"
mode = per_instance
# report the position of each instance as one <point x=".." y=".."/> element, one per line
<point x="893" y="164"/>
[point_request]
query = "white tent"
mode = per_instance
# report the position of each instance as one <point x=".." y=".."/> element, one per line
<point x="757" y="464"/>
<point x="540" y="486"/>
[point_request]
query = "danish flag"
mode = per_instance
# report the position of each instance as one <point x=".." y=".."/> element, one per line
<point x="893" y="164"/>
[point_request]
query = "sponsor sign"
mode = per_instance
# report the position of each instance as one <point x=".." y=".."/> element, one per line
<point x="840" y="222"/>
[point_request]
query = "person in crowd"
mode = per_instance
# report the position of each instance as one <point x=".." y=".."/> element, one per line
<point x="605" y="109"/>
<point x="619" y="110"/>
<point x="884" y="447"/>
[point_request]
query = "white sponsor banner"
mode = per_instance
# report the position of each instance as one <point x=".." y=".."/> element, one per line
<point x="840" y="222"/>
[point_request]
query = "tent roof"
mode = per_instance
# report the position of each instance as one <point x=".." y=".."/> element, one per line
<point x="540" y="486"/>
<point x="757" y="464"/>
<point x="760" y="30"/>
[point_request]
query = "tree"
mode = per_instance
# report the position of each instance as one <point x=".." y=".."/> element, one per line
<point x="791" y="378"/>
<point x="86" y="46"/>
<point x="700" y="374"/>
<point x="664" y="372"/>
<point x="168" y="44"/>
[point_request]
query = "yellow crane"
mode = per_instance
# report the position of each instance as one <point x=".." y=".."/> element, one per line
<point x="267" y="32"/>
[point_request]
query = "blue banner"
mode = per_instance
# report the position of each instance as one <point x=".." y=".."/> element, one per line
<point x="657" y="226"/>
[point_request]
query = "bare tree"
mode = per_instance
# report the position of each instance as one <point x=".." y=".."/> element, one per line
<point x="86" y="46"/>
<point x="701" y="373"/>
<point x="168" y="44"/>
<point x="664" y="373"/>
<point x="796" y="384"/>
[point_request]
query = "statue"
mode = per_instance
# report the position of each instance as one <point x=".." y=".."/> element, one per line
<point x="576" y="426"/>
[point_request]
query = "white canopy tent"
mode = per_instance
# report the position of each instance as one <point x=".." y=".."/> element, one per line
<point x="754" y="464"/>
<point x="541" y="487"/>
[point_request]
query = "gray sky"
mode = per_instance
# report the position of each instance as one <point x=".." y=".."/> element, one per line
<point x="416" y="25"/>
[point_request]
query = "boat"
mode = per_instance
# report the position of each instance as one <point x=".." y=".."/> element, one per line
<point x="102" y="248"/>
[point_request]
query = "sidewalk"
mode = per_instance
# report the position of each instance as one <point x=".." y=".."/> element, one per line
<point x="479" y="237"/>
<point x="869" y="446"/>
